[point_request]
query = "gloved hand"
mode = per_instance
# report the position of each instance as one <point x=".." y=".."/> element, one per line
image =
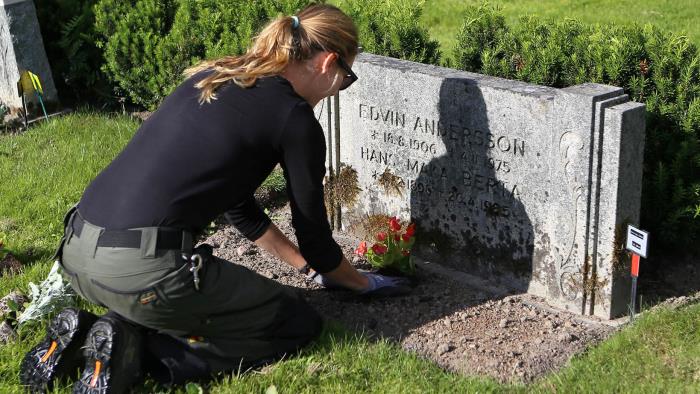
<point x="385" y="286"/>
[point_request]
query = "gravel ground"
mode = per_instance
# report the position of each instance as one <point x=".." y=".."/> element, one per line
<point x="462" y="329"/>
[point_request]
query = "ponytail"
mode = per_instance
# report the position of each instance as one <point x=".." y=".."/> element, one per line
<point x="285" y="39"/>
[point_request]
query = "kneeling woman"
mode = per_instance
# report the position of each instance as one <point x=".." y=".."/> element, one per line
<point x="128" y="245"/>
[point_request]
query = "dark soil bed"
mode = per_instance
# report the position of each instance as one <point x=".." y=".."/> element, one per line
<point x="461" y="328"/>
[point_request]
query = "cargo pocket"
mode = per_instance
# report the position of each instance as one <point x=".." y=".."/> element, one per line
<point x="183" y="304"/>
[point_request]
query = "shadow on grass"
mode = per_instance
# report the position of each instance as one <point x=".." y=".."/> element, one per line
<point x="668" y="276"/>
<point x="331" y="338"/>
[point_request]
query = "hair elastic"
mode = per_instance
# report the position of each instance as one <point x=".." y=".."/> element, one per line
<point x="295" y="22"/>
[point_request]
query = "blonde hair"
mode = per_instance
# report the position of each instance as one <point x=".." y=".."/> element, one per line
<point x="319" y="27"/>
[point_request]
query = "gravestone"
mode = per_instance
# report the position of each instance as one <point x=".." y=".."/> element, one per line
<point x="21" y="48"/>
<point x="529" y="186"/>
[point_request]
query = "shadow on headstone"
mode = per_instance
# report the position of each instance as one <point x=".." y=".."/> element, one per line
<point x="466" y="202"/>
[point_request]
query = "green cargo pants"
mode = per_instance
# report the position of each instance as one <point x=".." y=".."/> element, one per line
<point x="237" y="318"/>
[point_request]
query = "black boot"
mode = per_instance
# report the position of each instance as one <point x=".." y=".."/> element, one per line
<point x="59" y="353"/>
<point x="113" y="357"/>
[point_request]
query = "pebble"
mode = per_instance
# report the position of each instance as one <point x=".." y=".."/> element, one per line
<point x="503" y="323"/>
<point x="7" y="333"/>
<point x="444" y="348"/>
<point x="566" y="337"/>
<point x="18" y="298"/>
<point x="241" y="250"/>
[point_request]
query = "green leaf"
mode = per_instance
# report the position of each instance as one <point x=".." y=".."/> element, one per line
<point x="193" y="388"/>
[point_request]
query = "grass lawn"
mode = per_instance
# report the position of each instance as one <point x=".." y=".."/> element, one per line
<point x="43" y="171"/>
<point x="444" y="17"/>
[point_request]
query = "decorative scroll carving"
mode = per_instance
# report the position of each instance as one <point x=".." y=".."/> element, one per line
<point x="570" y="147"/>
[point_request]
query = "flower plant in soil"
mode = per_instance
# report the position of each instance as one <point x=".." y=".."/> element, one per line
<point x="392" y="249"/>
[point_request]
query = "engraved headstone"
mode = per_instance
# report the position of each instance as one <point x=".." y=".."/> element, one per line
<point x="21" y="48"/>
<point x="529" y="186"/>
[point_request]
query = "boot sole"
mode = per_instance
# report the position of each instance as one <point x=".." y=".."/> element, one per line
<point x="58" y="354"/>
<point x="102" y="372"/>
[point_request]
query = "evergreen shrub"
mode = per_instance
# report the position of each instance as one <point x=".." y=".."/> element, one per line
<point x="70" y="40"/>
<point x="391" y="28"/>
<point x="655" y="67"/>
<point x="147" y="44"/>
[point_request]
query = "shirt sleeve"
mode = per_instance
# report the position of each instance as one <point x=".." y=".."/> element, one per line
<point x="248" y="218"/>
<point x="303" y="148"/>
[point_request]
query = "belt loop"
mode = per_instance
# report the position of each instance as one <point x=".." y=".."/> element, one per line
<point x="187" y="243"/>
<point x="149" y="238"/>
<point x="89" y="238"/>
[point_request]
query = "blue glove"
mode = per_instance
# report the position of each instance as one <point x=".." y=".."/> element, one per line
<point x="385" y="286"/>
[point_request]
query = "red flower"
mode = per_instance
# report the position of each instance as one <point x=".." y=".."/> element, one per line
<point x="379" y="249"/>
<point x="411" y="229"/>
<point x="397" y="237"/>
<point x="362" y="249"/>
<point x="406" y="237"/>
<point x="394" y="224"/>
<point x="405" y="252"/>
<point x="381" y="237"/>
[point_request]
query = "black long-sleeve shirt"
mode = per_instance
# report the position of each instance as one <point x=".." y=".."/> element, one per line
<point x="189" y="163"/>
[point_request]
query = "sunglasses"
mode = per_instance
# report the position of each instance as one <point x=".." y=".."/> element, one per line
<point x="350" y="76"/>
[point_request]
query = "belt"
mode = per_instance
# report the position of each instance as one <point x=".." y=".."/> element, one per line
<point x="167" y="238"/>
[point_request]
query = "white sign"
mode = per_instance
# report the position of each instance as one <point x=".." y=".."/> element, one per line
<point x="637" y="241"/>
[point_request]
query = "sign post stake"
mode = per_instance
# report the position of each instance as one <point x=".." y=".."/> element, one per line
<point x="635" y="274"/>
<point x="637" y="241"/>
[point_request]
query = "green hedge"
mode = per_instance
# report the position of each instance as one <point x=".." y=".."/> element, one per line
<point x="391" y="28"/>
<point x="658" y="68"/>
<point x="148" y="43"/>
